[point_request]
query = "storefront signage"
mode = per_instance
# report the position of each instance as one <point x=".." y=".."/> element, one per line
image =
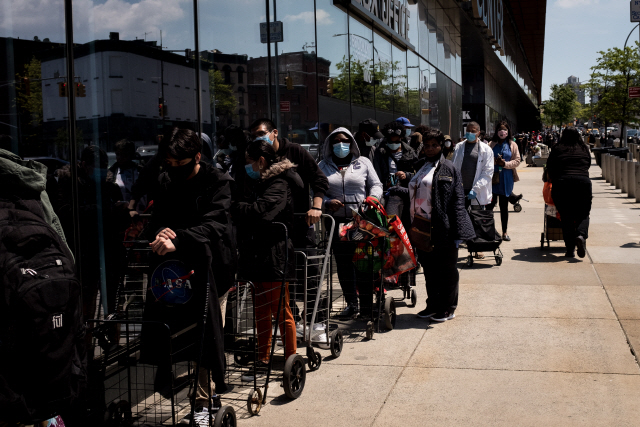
<point x="391" y="14"/>
<point x="491" y="15"/>
<point x="285" y="106"/>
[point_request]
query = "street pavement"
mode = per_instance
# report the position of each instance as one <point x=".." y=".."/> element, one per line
<point x="539" y="340"/>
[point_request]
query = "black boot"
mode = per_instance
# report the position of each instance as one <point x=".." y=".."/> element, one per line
<point x="350" y="311"/>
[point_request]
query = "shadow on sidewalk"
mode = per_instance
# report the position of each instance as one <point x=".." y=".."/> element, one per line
<point x="535" y="254"/>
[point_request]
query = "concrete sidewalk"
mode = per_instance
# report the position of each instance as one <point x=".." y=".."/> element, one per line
<point x="540" y="340"/>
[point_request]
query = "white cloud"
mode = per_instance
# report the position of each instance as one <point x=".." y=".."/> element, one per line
<point x="322" y="17"/>
<point x="568" y="4"/>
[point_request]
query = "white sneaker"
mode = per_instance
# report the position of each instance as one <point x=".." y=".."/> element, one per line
<point x="201" y="419"/>
<point x="321" y="341"/>
<point x="318" y="326"/>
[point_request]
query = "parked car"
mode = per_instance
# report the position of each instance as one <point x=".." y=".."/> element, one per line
<point x="632" y="135"/>
<point x="146" y="152"/>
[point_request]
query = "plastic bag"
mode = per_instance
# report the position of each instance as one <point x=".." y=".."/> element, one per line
<point x="401" y="257"/>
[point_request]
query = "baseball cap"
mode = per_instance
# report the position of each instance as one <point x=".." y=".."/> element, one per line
<point x="405" y="122"/>
<point x="371" y="127"/>
<point x="447" y="137"/>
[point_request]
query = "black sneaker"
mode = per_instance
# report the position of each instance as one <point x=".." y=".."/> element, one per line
<point x="570" y="254"/>
<point x="442" y="317"/>
<point x="350" y="311"/>
<point x="426" y="313"/>
<point x="581" y="246"/>
<point x="260" y="371"/>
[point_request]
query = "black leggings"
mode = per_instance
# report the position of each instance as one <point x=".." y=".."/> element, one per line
<point x="503" y="202"/>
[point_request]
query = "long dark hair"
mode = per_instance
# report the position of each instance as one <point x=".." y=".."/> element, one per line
<point x="261" y="148"/>
<point x="498" y="126"/>
<point x="571" y="138"/>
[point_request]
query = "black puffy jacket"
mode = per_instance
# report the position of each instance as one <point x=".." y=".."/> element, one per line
<point x="261" y="243"/>
<point x="449" y="218"/>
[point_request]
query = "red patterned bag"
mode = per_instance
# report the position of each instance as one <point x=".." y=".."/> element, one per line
<point x="401" y="257"/>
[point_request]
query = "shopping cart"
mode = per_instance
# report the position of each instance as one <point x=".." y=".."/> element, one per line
<point x="552" y="230"/>
<point x="247" y="340"/>
<point x="487" y="238"/>
<point x="312" y="266"/>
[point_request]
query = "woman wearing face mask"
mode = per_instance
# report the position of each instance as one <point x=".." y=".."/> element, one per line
<point x="507" y="159"/>
<point x="437" y="195"/>
<point x="352" y="179"/>
<point x="261" y="245"/>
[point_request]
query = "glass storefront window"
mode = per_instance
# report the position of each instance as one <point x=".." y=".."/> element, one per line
<point x="432" y="24"/>
<point x="399" y="82"/>
<point x="414" y="86"/>
<point x="383" y="78"/>
<point x="361" y="55"/>
<point x="332" y="47"/>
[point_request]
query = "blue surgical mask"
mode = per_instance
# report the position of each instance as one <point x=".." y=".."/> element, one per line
<point x="407" y="132"/>
<point x="471" y="137"/>
<point x="341" y="149"/>
<point x="393" y="146"/>
<point x="371" y="142"/>
<point x="316" y="135"/>
<point x="252" y="174"/>
<point x="233" y="147"/>
<point x="265" y="138"/>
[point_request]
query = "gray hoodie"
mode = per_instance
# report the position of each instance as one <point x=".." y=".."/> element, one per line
<point x="28" y="179"/>
<point x="353" y="184"/>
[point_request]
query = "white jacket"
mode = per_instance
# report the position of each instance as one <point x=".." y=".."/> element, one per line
<point x="484" y="170"/>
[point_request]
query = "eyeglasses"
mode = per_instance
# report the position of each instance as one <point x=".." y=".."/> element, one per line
<point x="396" y="131"/>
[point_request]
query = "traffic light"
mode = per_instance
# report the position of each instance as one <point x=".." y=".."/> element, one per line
<point x="329" y="86"/>
<point x="63" y="90"/>
<point x="81" y="90"/>
<point x="26" y="86"/>
<point x="160" y="107"/>
<point x="289" y="82"/>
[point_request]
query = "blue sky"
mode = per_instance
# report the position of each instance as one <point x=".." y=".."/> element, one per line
<point x="576" y="31"/>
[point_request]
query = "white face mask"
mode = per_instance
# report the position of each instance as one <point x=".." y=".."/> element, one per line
<point x="371" y="142"/>
<point x="447" y="143"/>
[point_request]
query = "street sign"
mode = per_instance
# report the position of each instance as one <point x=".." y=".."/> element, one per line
<point x="276" y="32"/>
<point x="285" y="106"/>
<point x="634" y="92"/>
<point x="635" y="10"/>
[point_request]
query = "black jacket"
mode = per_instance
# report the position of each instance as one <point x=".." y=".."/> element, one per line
<point x="565" y="160"/>
<point x="449" y="218"/>
<point x="405" y="164"/>
<point x="262" y="244"/>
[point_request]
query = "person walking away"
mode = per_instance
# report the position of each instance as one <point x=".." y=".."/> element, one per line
<point x="437" y="195"/>
<point x="352" y="178"/>
<point x="191" y="223"/>
<point x="394" y="163"/>
<point x="475" y="163"/>
<point x="262" y="242"/>
<point x="506" y="159"/>
<point x="368" y="137"/>
<point x="302" y="229"/>
<point x="568" y="171"/>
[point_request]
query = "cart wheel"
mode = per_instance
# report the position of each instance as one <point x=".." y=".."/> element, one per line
<point x="414" y="298"/>
<point x="225" y="417"/>
<point x="120" y="413"/>
<point x="390" y="314"/>
<point x="369" y="333"/>
<point x="470" y="261"/>
<point x="336" y="343"/>
<point x="295" y="376"/>
<point x="254" y="402"/>
<point x="314" y="361"/>
<point x="542" y="240"/>
<point x="517" y="207"/>
<point x="498" y="260"/>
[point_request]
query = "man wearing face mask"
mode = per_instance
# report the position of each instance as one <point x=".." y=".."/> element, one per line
<point x="191" y="223"/>
<point x="315" y="183"/>
<point x="406" y="128"/>
<point x="368" y="137"/>
<point x="475" y="163"/>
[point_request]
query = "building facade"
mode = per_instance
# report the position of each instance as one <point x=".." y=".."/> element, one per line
<point x="574" y="82"/>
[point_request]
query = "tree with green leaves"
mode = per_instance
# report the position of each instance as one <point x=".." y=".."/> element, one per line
<point x="370" y="84"/>
<point x="221" y="94"/>
<point x="562" y="107"/>
<point x="30" y="101"/>
<point x="615" y="71"/>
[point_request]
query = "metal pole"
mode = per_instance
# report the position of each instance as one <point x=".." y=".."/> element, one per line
<point x="71" y="113"/>
<point x="278" y="119"/>
<point x="623" y="135"/>
<point x="268" y="61"/>
<point x="197" y="64"/>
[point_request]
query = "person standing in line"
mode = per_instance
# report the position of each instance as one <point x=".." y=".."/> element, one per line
<point x="368" y="137"/>
<point x="407" y="128"/>
<point x="568" y="171"/>
<point x="506" y="159"/>
<point x="352" y="179"/>
<point x="437" y="195"/>
<point x="475" y="163"/>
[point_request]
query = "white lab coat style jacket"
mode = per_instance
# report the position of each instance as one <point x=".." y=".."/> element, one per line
<point x="484" y="171"/>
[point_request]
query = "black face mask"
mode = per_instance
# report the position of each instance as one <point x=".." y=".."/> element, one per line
<point x="180" y="173"/>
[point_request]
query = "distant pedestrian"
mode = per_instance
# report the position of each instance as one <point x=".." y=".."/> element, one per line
<point x="568" y="171"/>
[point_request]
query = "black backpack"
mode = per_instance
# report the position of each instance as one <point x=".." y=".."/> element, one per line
<point x="42" y="354"/>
